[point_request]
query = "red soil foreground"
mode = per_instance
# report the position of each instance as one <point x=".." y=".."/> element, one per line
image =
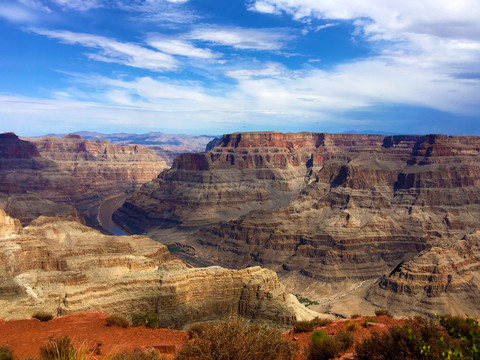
<point x="26" y="336"/>
<point x="86" y="330"/>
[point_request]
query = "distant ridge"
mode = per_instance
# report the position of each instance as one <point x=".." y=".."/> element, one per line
<point x="165" y="145"/>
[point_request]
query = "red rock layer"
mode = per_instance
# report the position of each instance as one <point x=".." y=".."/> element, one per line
<point x="331" y="207"/>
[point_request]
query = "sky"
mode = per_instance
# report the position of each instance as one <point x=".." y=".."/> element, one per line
<point x="221" y="66"/>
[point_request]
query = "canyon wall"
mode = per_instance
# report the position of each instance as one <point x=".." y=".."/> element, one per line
<point x="61" y="266"/>
<point x="68" y="176"/>
<point x="337" y="209"/>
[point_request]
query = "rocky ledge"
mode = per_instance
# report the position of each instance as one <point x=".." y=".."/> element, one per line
<point x="63" y="267"/>
<point x="68" y="176"/>
<point x="335" y="209"/>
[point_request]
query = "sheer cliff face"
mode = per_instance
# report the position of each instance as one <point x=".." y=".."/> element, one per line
<point x="333" y="208"/>
<point x="63" y="267"/>
<point x="67" y="176"/>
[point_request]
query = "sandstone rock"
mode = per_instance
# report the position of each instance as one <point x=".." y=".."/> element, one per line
<point x="61" y="266"/>
<point x="439" y="280"/>
<point x="67" y="176"/>
<point x="339" y="209"/>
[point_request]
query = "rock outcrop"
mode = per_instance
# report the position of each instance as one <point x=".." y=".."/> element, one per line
<point x="61" y="266"/>
<point x="337" y="209"/>
<point x="440" y="280"/>
<point x="61" y="177"/>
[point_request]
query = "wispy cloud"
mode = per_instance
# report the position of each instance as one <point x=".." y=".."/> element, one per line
<point x="180" y="47"/>
<point x="115" y="51"/>
<point x="243" y="38"/>
<point x="15" y="13"/>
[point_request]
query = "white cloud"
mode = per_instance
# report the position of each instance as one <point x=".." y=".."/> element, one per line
<point x="16" y="13"/>
<point x="242" y="38"/>
<point x="180" y="47"/>
<point x="79" y="5"/>
<point x="268" y="70"/>
<point x="115" y="51"/>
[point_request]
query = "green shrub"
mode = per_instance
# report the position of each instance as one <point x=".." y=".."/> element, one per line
<point x="351" y="325"/>
<point x="235" y="339"/>
<point x="60" y="349"/>
<point x="345" y="340"/>
<point x="138" y="354"/>
<point x="370" y="320"/>
<point x="466" y="335"/>
<point x="414" y="340"/>
<point x="6" y="353"/>
<point x="42" y="316"/>
<point x="117" y="320"/>
<point x="457" y="326"/>
<point x="147" y="319"/>
<point x="318" y="336"/>
<point x="327" y="348"/>
<point x="308" y="326"/>
<point x="384" y="312"/>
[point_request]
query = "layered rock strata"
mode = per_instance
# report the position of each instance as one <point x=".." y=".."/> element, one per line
<point x="335" y="208"/>
<point x="439" y="280"/>
<point x="61" y="266"/>
<point x="51" y="176"/>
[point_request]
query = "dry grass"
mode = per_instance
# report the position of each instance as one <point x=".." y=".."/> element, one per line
<point x="236" y="339"/>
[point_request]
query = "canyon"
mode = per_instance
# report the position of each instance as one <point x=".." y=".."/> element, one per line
<point x="60" y="266"/>
<point x="369" y="219"/>
<point x="68" y="176"/>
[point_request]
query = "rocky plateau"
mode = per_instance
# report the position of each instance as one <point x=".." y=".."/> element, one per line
<point x="378" y="220"/>
<point x="61" y="266"/>
<point x="68" y="176"/>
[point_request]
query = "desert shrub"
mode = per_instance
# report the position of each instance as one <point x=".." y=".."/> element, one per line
<point x="146" y="319"/>
<point x="318" y="336"/>
<point x="235" y="339"/>
<point x="457" y="326"/>
<point x="138" y="354"/>
<point x="307" y="326"/>
<point x="384" y="312"/>
<point x="466" y="335"/>
<point x="6" y="353"/>
<point x="60" y="349"/>
<point x="42" y="316"/>
<point x="321" y="321"/>
<point x="326" y="348"/>
<point x="303" y="326"/>
<point x="345" y="340"/>
<point x="117" y="320"/>
<point x="351" y="325"/>
<point x="354" y="316"/>
<point x="414" y="340"/>
<point x="197" y="329"/>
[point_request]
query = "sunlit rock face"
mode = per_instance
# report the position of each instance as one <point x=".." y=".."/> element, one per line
<point x="61" y="266"/>
<point x="68" y="176"/>
<point x="332" y="208"/>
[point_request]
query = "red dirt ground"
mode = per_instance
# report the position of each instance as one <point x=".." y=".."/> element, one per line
<point x="26" y="336"/>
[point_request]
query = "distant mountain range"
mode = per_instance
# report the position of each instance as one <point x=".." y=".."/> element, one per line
<point x="166" y="145"/>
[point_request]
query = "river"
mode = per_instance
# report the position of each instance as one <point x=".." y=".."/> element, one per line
<point x="105" y="211"/>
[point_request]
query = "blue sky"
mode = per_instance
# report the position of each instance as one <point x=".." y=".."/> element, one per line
<point x="218" y="66"/>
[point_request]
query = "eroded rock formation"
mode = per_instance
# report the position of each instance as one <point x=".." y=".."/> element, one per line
<point x="333" y="208"/>
<point x="67" y="176"/>
<point x="63" y="267"/>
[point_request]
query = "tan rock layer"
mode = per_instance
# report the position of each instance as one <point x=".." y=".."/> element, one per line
<point x="61" y="266"/>
<point x="52" y="176"/>
<point x="331" y="207"/>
